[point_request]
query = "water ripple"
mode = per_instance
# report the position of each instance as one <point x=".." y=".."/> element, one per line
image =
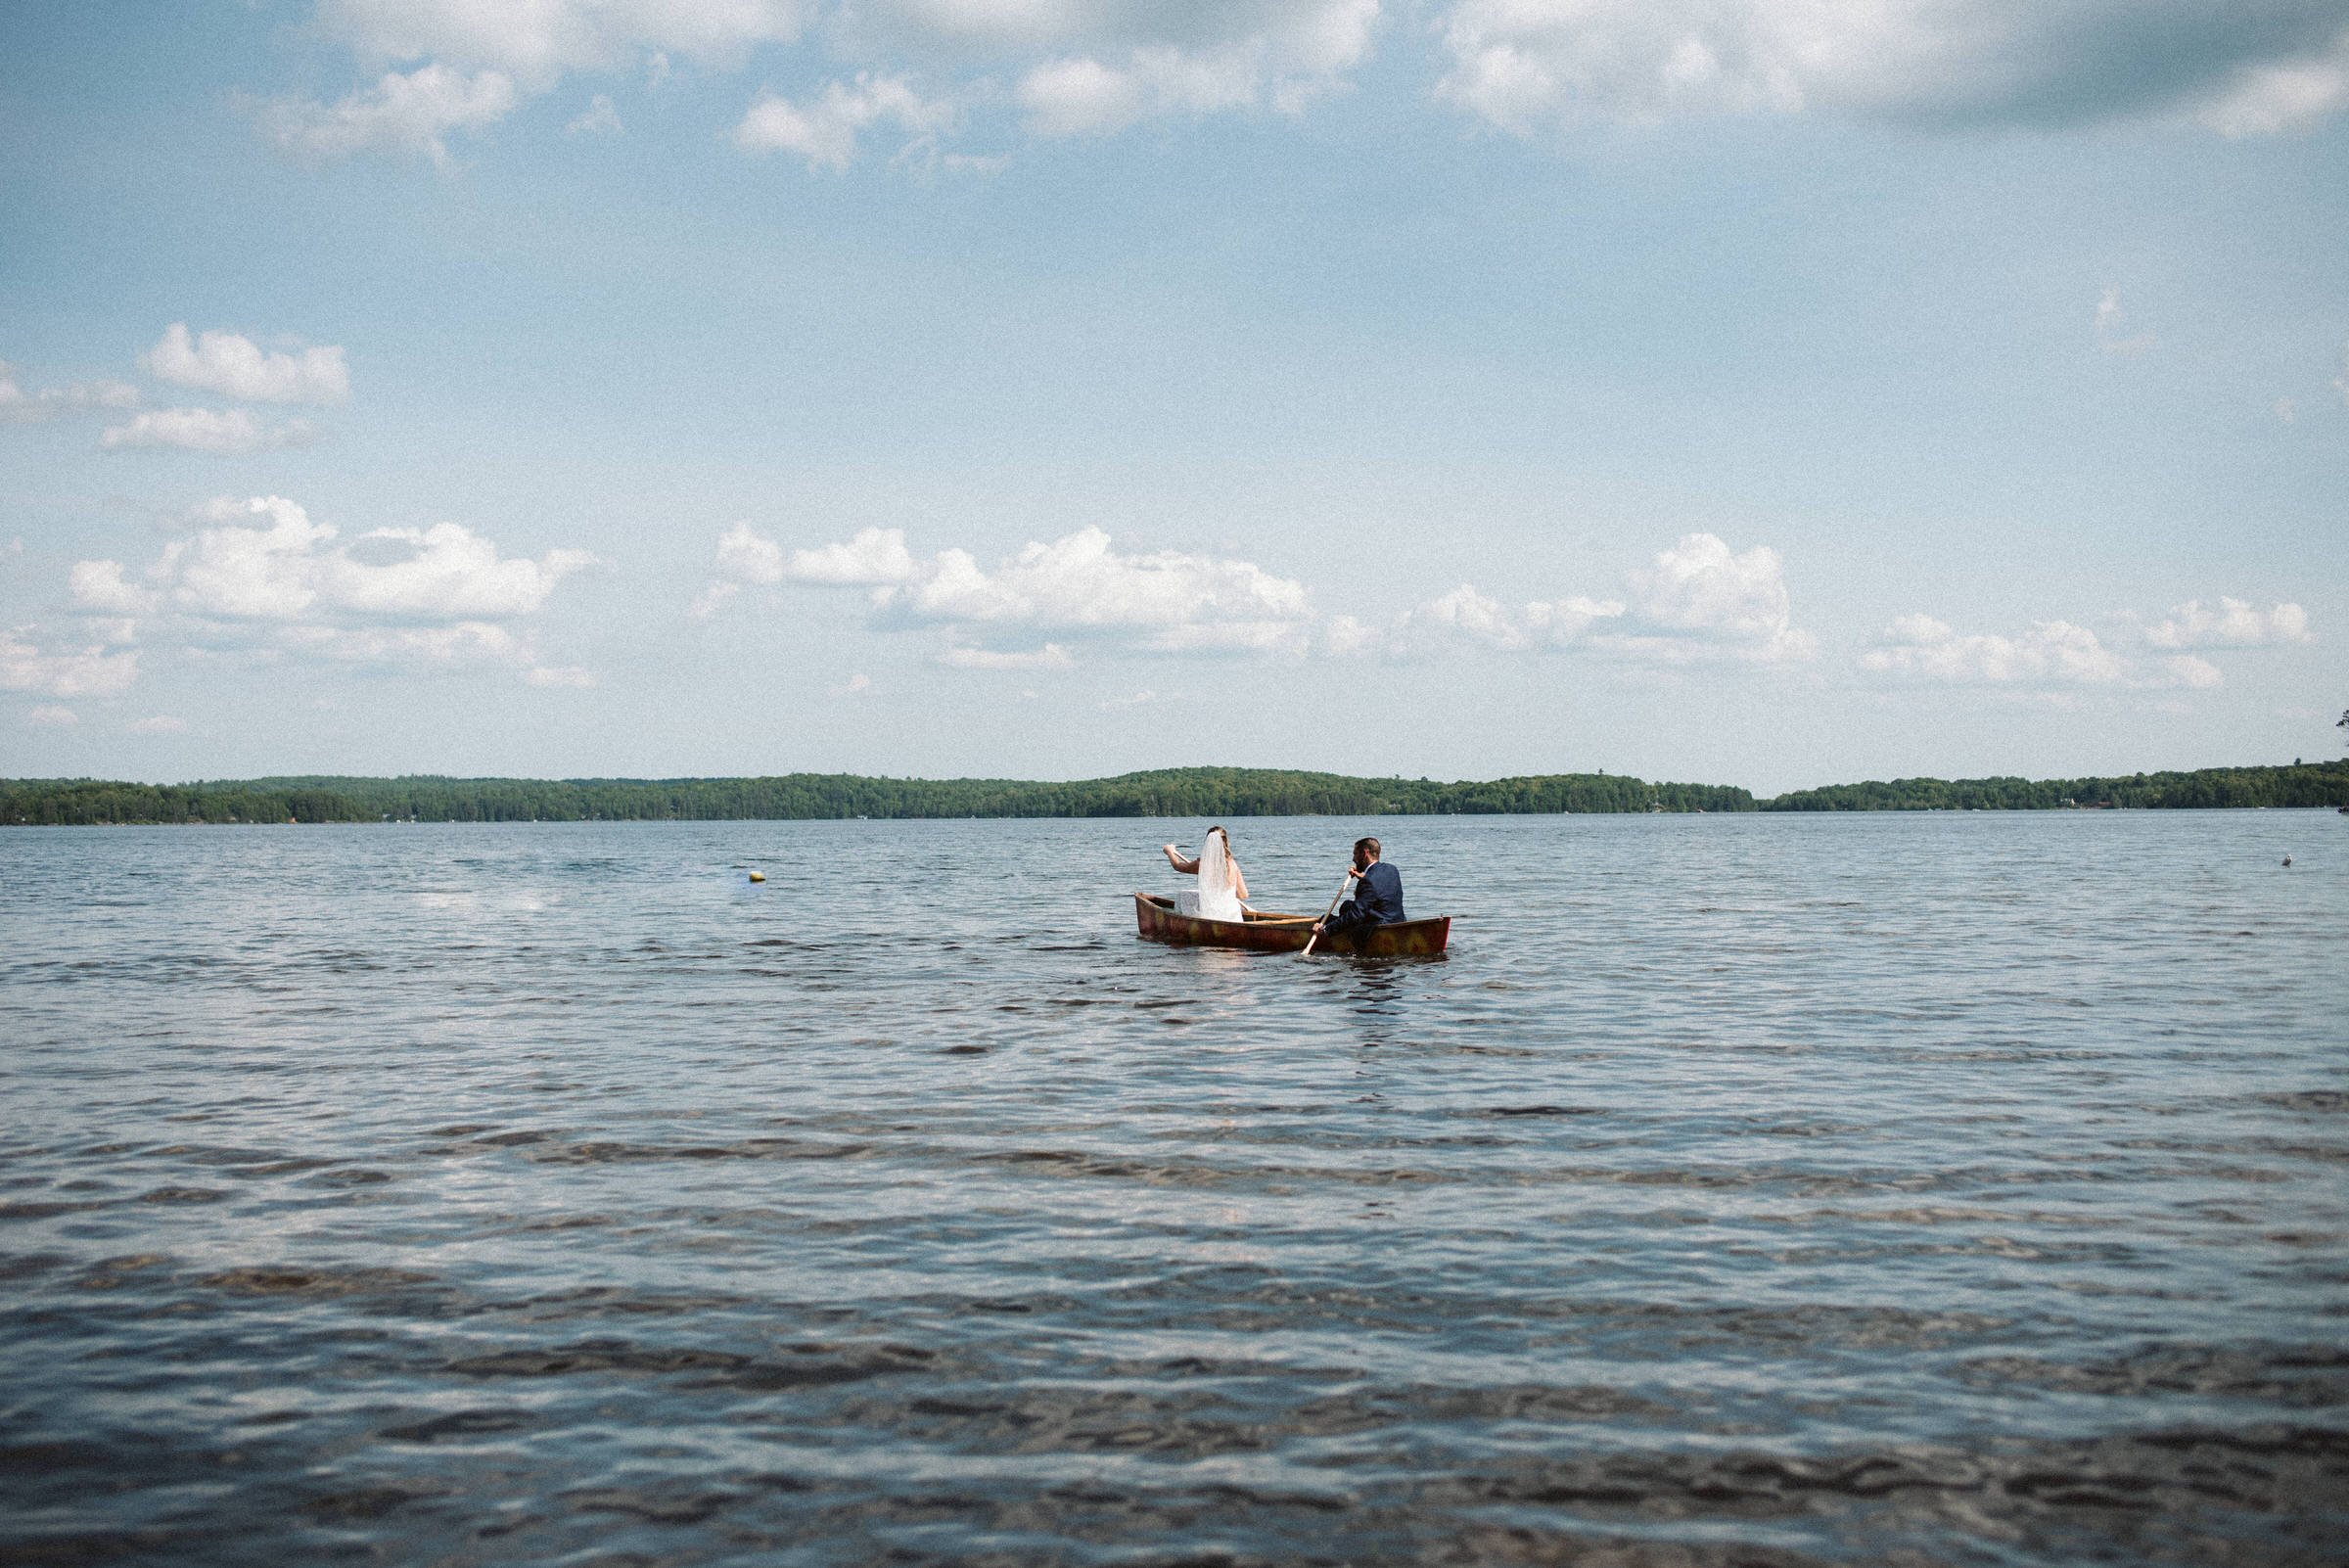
<point x="1922" y="1191"/>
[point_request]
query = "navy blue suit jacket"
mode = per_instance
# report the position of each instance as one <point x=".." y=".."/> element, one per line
<point x="1377" y="898"/>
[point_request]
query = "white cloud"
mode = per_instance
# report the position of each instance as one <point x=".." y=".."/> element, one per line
<point x="236" y="367"/>
<point x="824" y="128"/>
<point x="1079" y="585"/>
<point x="87" y="671"/>
<point x="2281" y="97"/>
<point x="21" y="407"/>
<point x="92" y="394"/>
<point x="473" y="62"/>
<point x="1228" y="58"/>
<point x="1699" y="600"/>
<point x="476" y="60"/>
<point x="1466" y="616"/>
<point x="539" y="40"/>
<point x="855" y="685"/>
<point x="1321" y="33"/>
<point x="263" y="574"/>
<point x="103" y="395"/>
<point x="1078" y="66"/>
<point x="2242" y="66"/>
<point x="1051" y="655"/>
<point x="1467" y="619"/>
<point x="712" y="599"/>
<point x="2112" y="327"/>
<point x="465" y="642"/>
<point x="288" y="569"/>
<point x="2052" y="652"/>
<point x="559" y="675"/>
<point x="1705" y="596"/>
<point x="1084" y="67"/>
<point x="2183" y="670"/>
<point x="1078" y="97"/>
<point x="412" y="113"/>
<point x="2231" y="623"/>
<point x="599" y="118"/>
<point x="61" y="717"/>
<point x="98" y="588"/>
<point x="158" y="725"/>
<point x="874" y="557"/>
<point x="1084" y="97"/>
<point x="2061" y="655"/>
<point x="1166" y="602"/>
<point x="221" y="431"/>
<point x="744" y="557"/>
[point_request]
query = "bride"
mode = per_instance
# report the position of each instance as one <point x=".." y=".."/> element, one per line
<point x="1223" y="892"/>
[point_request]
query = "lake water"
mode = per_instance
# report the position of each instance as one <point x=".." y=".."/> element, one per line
<point x="1966" y="1190"/>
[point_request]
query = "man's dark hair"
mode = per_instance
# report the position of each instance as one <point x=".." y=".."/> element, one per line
<point x="1365" y="850"/>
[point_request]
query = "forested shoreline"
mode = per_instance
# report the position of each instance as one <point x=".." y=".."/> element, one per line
<point x="2299" y="784"/>
<point x="1168" y="791"/>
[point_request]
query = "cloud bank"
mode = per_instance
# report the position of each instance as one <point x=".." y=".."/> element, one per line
<point x="1698" y="601"/>
<point x="413" y="111"/>
<point x="1037" y="609"/>
<point x="220" y="432"/>
<point x="21" y="407"/>
<point x="1060" y="68"/>
<point x="823" y="130"/>
<point x="1079" y="586"/>
<point x="238" y="368"/>
<point x="2238" y="66"/>
<point x="90" y="671"/>
<point x="2229" y="623"/>
<point x="2054" y="656"/>
<point x="2058" y="656"/>
<point x="261" y="574"/>
<point x="538" y="41"/>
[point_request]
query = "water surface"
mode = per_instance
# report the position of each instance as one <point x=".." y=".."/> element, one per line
<point x="1958" y="1189"/>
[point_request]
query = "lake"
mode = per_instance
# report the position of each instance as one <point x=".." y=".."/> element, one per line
<point x="1966" y="1189"/>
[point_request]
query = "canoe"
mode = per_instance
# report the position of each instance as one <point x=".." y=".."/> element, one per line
<point x="1156" y="919"/>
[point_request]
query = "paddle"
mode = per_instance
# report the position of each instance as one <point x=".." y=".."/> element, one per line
<point x="1326" y="913"/>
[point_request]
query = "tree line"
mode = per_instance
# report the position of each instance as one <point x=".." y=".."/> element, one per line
<point x="2300" y="784"/>
<point x="1167" y="792"/>
<point x="1192" y="792"/>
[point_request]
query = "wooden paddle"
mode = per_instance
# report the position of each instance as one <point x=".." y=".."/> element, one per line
<point x="1326" y="913"/>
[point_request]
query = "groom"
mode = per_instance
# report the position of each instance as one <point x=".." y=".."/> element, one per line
<point x="1377" y="895"/>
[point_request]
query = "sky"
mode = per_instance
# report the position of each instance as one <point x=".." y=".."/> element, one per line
<point x="1769" y="392"/>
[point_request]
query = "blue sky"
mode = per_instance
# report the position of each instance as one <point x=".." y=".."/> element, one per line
<point x="1764" y="392"/>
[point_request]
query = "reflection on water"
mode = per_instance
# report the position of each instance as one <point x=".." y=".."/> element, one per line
<point x="1926" y="1190"/>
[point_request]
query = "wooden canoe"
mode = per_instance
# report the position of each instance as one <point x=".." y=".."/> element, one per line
<point x="1157" y="919"/>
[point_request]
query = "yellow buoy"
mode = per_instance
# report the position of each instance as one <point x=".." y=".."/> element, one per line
<point x="758" y="876"/>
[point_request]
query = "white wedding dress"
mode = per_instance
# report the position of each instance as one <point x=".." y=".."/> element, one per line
<point x="1216" y="898"/>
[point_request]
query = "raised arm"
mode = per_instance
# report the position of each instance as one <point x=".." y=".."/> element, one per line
<point x="1189" y="869"/>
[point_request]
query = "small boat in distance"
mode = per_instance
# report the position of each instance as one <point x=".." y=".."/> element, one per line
<point x="1156" y="919"/>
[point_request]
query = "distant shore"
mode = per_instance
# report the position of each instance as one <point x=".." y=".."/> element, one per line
<point x="1168" y="791"/>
